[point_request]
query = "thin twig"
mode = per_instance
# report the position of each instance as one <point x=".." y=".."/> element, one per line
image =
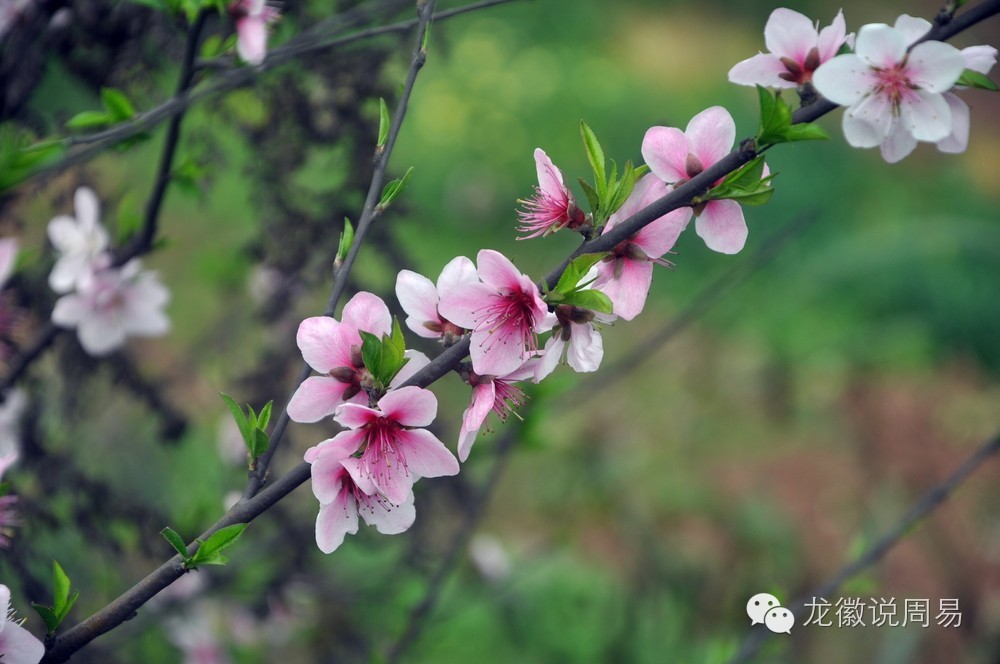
<point x="927" y="503"/>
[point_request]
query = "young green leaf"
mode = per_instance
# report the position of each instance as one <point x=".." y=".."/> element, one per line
<point x="265" y="415"/>
<point x="806" y="131"/>
<point x="117" y="104"/>
<point x="241" y="419"/>
<point x="394" y="189"/>
<point x="569" y="280"/>
<point x="48" y="617"/>
<point x="89" y="120"/>
<point x="595" y="155"/>
<point x="974" y="79"/>
<point x="210" y="550"/>
<point x="593" y="300"/>
<point x="383" y="122"/>
<point x="176" y="541"/>
<point x="592" y="198"/>
<point x="346" y="238"/>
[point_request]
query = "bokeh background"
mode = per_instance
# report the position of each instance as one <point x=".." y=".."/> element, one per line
<point x="850" y="365"/>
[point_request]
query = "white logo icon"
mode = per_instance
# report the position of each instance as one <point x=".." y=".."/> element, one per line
<point x="765" y="608"/>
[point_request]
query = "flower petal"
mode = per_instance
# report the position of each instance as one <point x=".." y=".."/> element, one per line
<point x="898" y="143"/>
<point x="316" y="398"/>
<point x="88" y="208"/>
<point x="761" y="69"/>
<point x="845" y="79"/>
<point x="335" y="521"/>
<point x="912" y="27"/>
<point x="711" y="134"/>
<point x="355" y="415"/>
<point x="832" y="37"/>
<point x="550" y="180"/>
<point x="980" y="58"/>
<point x="251" y="42"/>
<point x="367" y="312"/>
<point x="958" y="140"/>
<point x="935" y="66"/>
<point x="426" y="456"/>
<point x="459" y="270"/>
<point x="665" y="150"/>
<point x="628" y="291"/>
<point x="417" y="361"/>
<point x="387" y="518"/>
<point x="492" y="356"/>
<point x="722" y="227"/>
<point x="880" y="46"/>
<point x="328" y="476"/>
<point x="551" y="355"/>
<point x="925" y="115"/>
<point x="460" y="304"/>
<point x="323" y="344"/>
<point x="586" y="348"/>
<point x="419" y="299"/>
<point x="497" y="270"/>
<point x="410" y="406"/>
<point x="867" y="123"/>
<point x="659" y="237"/>
<point x="789" y="34"/>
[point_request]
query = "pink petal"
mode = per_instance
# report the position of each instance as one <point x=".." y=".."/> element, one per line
<point x="410" y="406"/>
<point x="355" y="415"/>
<point x="323" y="344"/>
<point x="898" y="143"/>
<point x="99" y="335"/>
<point x="335" y="521"/>
<point x="419" y="299"/>
<point x="660" y="236"/>
<point x="327" y="477"/>
<point x="880" y="46"/>
<point x="466" y="439"/>
<point x="586" y="348"/>
<point x="19" y="646"/>
<point x="665" y="150"/>
<point x="551" y="355"/>
<point x="711" y="134"/>
<point x="4" y="602"/>
<point x="832" y="37"/>
<point x="367" y="312"/>
<point x="426" y="456"/>
<point x="69" y="311"/>
<point x="316" y="398"/>
<point x="474" y="416"/>
<point x="416" y="362"/>
<point x="845" y="79"/>
<point x="387" y="518"/>
<point x="497" y="271"/>
<point x="627" y="292"/>
<point x="550" y="180"/>
<point x="925" y="115"/>
<point x="341" y="447"/>
<point x="722" y="227"/>
<point x="935" y="66"/>
<point x="526" y="370"/>
<point x="460" y="304"/>
<point x="648" y="189"/>
<point x="491" y="357"/>
<point x="761" y="69"/>
<point x="251" y="42"/>
<point x="958" y="140"/>
<point x="789" y="34"/>
<point x="460" y="270"/>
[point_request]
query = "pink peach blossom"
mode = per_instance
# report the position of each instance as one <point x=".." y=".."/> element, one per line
<point x="394" y="450"/>
<point x="81" y="241"/>
<point x="491" y="393"/>
<point x="419" y="298"/>
<point x="17" y="645"/>
<point x="552" y="207"/>
<point x="676" y="156"/>
<point x="504" y="310"/>
<point x="797" y="49"/>
<point x="252" y="18"/>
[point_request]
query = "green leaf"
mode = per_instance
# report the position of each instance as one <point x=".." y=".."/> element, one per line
<point x="176" y="541"/>
<point x="265" y="415"/>
<point x="745" y="176"/>
<point x="346" y="239"/>
<point x="974" y="79"/>
<point x="117" y="104"/>
<point x="371" y="352"/>
<point x="775" y="117"/>
<point x="19" y="159"/>
<point x="752" y="197"/>
<point x="209" y="552"/>
<point x="806" y="131"/>
<point x="593" y="300"/>
<point x="621" y="189"/>
<point x="595" y="155"/>
<point x="61" y="588"/>
<point x="89" y="120"/>
<point x="577" y="269"/>
<point x="383" y="122"/>
<point x="241" y="419"/>
<point x="259" y="442"/>
<point x="394" y="189"/>
<point x="592" y="198"/>
<point x="48" y="617"/>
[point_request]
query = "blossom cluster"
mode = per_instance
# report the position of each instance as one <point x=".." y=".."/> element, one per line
<point x="104" y="303"/>
<point x="897" y="89"/>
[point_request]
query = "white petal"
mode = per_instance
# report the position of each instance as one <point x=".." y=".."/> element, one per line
<point x="958" y="139"/>
<point x="866" y="124"/>
<point x="980" y="58"/>
<point x="845" y="79"/>
<point x="898" y="143"/>
<point x="912" y="27"/>
<point x="926" y="115"/>
<point x="935" y="66"/>
<point x="880" y="46"/>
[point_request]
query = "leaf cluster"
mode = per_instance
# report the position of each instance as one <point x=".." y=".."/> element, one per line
<point x="62" y="600"/>
<point x="384" y="357"/>
<point x="252" y="427"/>
<point x="608" y="192"/>
<point x="572" y="288"/>
<point x="209" y="550"/>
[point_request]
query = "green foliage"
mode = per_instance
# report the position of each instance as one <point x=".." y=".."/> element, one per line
<point x="392" y="190"/>
<point x="572" y="289"/>
<point x="117" y="108"/>
<point x="974" y="79"/>
<point x="62" y="600"/>
<point x="384" y="357"/>
<point x="19" y="158"/>
<point x="383" y="123"/>
<point x="210" y="550"/>
<point x="746" y="185"/>
<point x="252" y="427"/>
<point x="608" y="192"/>
<point x="776" y="122"/>
<point x="344" y="246"/>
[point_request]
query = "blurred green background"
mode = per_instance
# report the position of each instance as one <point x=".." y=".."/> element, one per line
<point x="760" y="450"/>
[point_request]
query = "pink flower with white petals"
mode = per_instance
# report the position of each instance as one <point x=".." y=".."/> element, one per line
<point x="552" y="207"/>
<point x="676" y="156"/>
<point x="82" y="242"/>
<point x="333" y="348"/>
<point x="576" y="336"/>
<point x="252" y="18"/>
<point x="894" y="94"/>
<point x="797" y="49"/>
<point x="17" y="645"/>
<point x="505" y="312"/>
<point x="341" y="499"/>
<point x="491" y="393"/>
<point x="113" y="304"/>
<point x="419" y="298"/>
<point x="627" y="272"/>
<point x="394" y="451"/>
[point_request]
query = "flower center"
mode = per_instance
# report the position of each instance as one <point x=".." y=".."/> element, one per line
<point x="382" y="456"/>
<point x="509" y="319"/>
<point x="894" y="82"/>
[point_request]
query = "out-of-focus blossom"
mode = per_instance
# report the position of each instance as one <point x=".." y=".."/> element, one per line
<point x="552" y="207"/>
<point x="894" y="94"/>
<point x="197" y="634"/>
<point x="797" y="48"/>
<point x="394" y="450"/>
<point x="676" y="156"/>
<point x="489" y="557"/>
<point x="419" y="298"/>
<point x="113" y="304"/>
<point x="627" y="272"/>
<point x="252" y="18"/>
<point x="504" y="310"/>
<point x="17" y="645"/>
<point x="81" y="241"/>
